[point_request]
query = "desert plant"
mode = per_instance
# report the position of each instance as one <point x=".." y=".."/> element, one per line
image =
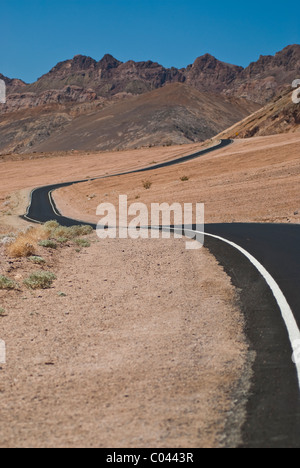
<point x="184" y="178"/>
<point x="25" y="243"/>
<point x="82" y="243"/>
<point x="48" y="244"/>
<point x="147" y="184"/>
<point x="21" y="247"/>
<point x="69" y="233"/>
<point x="62" y="240"/>
<point x="40" y="280"/>
<point x="2" y="312"/>
<point x="51" y="225"/>
<point x="35" y="234"/>
<point x="7" y="283"/>
<point x="83" y="230"/>
<point x="37" y="260"/>
<point x="62" y="232"/>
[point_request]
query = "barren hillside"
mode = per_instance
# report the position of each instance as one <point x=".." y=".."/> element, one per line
<point x="106" y="105"/>
<point x="281" y="115"/>
<point x="174" y="114"/>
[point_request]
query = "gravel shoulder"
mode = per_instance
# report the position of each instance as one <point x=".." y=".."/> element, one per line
<point x="137" y="344"/>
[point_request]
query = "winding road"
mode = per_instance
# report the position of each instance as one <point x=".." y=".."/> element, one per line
<point x="263" y="261"/>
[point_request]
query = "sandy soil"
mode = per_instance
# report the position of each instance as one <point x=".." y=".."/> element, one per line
<point x="145" y="349"/>
<point x="146" y="346"/>
<point x="254" y="180"/>
<point x="22" y="173"/>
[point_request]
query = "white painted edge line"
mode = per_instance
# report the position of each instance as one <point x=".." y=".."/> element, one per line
<point x="286" y="311"/>
<point x="52" y="203"/>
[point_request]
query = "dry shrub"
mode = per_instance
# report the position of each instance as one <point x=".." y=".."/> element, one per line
<point x="40" y="280"/>
<point x="21" y="247"/>
<point x="147" y="184"/>
<point x="26" y="242"/>
<point x="36" y="234"/>
<point x="7" y="283"/>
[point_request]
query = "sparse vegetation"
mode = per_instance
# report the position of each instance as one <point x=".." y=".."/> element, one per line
<point x="147" y="184"/>
<point x="49" y="236"/>
<point x="82" y="243"/>
<point x="37" y="260"/>
<point x="21" y="247"/>
<point x="83" y="230"/>
<point x="2" y="312"/>
<point x="40" y="280"/>
<point x="7" y="283"/>
<point x="62" y="240"/>
<point x="184" y="178"/>
<point x="62" y="233"/>
<point x="51" y="225"/>
<point x="25" y="243"/>
<point x="48" y="244"/>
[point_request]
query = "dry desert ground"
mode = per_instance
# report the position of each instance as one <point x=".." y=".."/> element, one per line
<point x="136" y="343"/>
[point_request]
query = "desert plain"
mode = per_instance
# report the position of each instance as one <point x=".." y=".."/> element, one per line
<point x="137" y="343"/>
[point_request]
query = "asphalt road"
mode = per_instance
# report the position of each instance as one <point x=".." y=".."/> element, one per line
<point x="273" y="406"/>
<point x="42" y="206"/>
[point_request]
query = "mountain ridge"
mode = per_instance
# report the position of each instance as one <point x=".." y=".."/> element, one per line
<point x="174" y="114"/>
<point x="259" y="82"/>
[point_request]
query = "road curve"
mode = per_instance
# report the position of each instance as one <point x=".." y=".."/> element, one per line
<point x="42" y="207"/>
<point x="273" y="408"/>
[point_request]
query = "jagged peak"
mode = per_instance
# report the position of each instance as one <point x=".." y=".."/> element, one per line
<point x="108" y="61"/>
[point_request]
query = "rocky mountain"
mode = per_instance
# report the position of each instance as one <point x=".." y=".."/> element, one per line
<point x="83" y="79"/>
<point x="13" y="85"/>
<point x="174" y="114"/>
<point x="280" y="115"/>
<point x="109" y="104"/>
<point x="263" y="80"/>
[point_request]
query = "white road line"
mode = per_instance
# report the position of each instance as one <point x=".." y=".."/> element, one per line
<point x="52" y="203"/>
<point x="286" y="311"/>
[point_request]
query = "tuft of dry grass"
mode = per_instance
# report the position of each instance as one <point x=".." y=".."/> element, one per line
<point x="21" y="247"/>
<point x="25" y="243"/>
<point x="147" y="184"/>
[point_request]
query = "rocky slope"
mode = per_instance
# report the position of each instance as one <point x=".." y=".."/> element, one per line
<point x="174" y="114"/>
<point x="281" y="115"/>
<point x="61" y="104"/>
<point x="83" y="79"/>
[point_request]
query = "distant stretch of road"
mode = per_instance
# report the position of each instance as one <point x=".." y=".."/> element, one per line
<point x="42" y="207"/>
<point x="272" y="317"/>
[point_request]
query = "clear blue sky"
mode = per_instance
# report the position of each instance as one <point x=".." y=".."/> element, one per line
<point x="36" y="34"/>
